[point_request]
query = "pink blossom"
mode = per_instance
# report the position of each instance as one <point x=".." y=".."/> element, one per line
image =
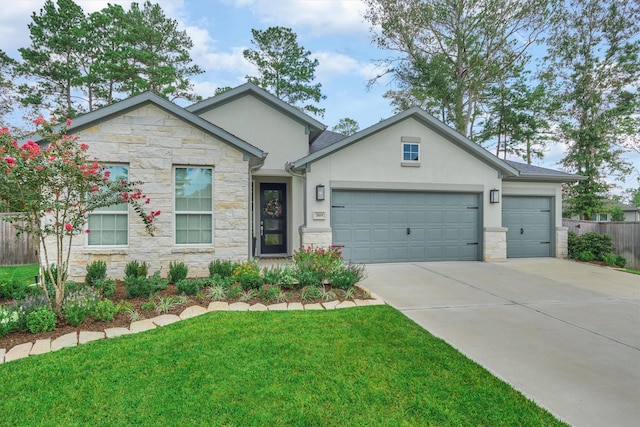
<point x="10" y="160"/>
<point x="68" y="123"/>
<point x="84" y="147"/>
<point x="68" y="227"/>
<point x="4" y="130"/>
<point x="39" y="120"/>
<point x="87" y="231"/>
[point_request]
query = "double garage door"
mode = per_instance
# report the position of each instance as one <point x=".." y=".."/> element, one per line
<point x="395" y="226"/>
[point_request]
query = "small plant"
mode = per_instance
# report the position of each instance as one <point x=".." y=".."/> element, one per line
<point x="319" y="261"/>
<point x="347" y="276"/>
<point x="216" y="293"/>
<point x="234" y="291"/>
<point x="177" y="271"/>
<point x="41" y="320"/>
<point x="309" y="293"/>
<point x="79" y="305"/>
<point x="621" y="261"/>
<point x="124" y="307"/>
<point x="327" y="295"/>
<point x="272" y="274"/>
<point x="140" y="286"/>
<point x="8" y="320"/>
<point x="609" y="259"/>
<point x="14" y="290"/>
<point x="247" y="294"/>
<point x="586" y="256"/>
<point x="224" y="268"/>
<point x="269" y="292"/>
<point x="289" y="277"/>
<point x="308" y="278"/>
<point x="97" y="270"/>
<point x="106" y="286"/>
<point x="191" y="286"/>
<point x="248" y="274"/>
<point x="135" y="269"/>
<point x="165" y="305"/>
<point x="349" y="293"/>
<point x="105" y="310"/>
<point x="25" y="306"/>
<point x="133" y="315"/>
<point x="147" y="306"/>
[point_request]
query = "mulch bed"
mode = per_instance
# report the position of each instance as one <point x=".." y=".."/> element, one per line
<point x="122" y="319"/>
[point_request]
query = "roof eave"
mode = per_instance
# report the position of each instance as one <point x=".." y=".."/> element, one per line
<point x="546" y="178"/>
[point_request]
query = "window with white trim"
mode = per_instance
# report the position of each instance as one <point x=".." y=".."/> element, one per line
<point x="410" y="152"/>
<point x="109" y="226"/>
<point x="193" y="205"/>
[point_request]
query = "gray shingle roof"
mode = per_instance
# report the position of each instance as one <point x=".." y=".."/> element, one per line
<point x="325" y="139"/>
<point x="532" y="172"/>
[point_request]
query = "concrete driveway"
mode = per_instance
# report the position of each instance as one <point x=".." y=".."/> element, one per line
<point x="565" y="334"/>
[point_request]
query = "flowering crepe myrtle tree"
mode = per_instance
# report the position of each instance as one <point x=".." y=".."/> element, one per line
<point x="52" y="187"/>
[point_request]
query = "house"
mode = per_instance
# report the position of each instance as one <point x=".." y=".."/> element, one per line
<point x="245" y="167"/>
<point x="631" y="213"/>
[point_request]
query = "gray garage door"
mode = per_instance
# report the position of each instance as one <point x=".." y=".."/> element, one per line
<point x="528" y="220"/>
<point x="390" y="226"/>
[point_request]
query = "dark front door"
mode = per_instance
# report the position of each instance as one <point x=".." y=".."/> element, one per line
<point x="273" y="218"/>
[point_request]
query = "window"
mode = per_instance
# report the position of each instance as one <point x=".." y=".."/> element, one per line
<point x="410" y="152"/>
<point x="109" y="226"/>
<point x="194" y="205"/>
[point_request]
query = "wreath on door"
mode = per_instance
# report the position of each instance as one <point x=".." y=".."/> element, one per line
<point x="273" y="208"/>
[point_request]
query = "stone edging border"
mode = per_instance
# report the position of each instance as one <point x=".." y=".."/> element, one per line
<point x="73" y="339"/>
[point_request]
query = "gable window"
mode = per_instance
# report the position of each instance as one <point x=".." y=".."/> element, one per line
<point x="109" y="226"/>
<point x="194" y="205"/>
<point x="410" y="151"/>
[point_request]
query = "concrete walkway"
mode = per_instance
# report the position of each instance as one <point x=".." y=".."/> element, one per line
<point x="566" y="334"/>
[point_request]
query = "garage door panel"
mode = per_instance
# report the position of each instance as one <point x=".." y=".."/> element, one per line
<point x="529" y="226"/>
<point x="440" y="225"/>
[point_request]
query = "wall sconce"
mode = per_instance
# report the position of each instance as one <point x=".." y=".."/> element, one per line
<point x="319" y="192"/>
<point x="494" y="196"/>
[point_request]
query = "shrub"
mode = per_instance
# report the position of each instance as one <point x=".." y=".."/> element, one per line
<point x="41" y="320"/>
<point x="140" y="286"/>
<point x="234" y="291"/>
<point x="621" y="261"/>
<point x="14" y="290"/>
<point x="272" y="274"/>
<point x="149" y="305"/>
<point x="224" y="268"/>
<point x="270" y="293"/>
<point x="106" y="286"/>
<point x="347" y="276"/>
<point x="586" y="256"/>
<point x="319" y="261"/>
<point x="167" y="304"/>
<point x="177" y="271"/>
<point x="598" y="244"/>
<point x="289" y="277"/>
<point x="216" y="293"/>
<point x="609" y="259"/>
<point x="617" y="214"/>
<point x="78" y="305"/>
<point x="97" y="270"/>
<point x="247" y="274"/>
<point x="105" y="310"/>
<point x="25" y="306"/>
<point x="308" y="278"/>
<point x="135" y="269"/>
<point x="190" y="286"/>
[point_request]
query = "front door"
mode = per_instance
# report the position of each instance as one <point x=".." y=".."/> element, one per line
<point x="273" y="218"/>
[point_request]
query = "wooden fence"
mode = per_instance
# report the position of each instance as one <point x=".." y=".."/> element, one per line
<point x="15" y="250"/>
<point x="625" y="236"/>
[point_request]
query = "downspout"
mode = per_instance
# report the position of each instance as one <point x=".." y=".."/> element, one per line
<point x="289" y="168"/>
<point x="249" y="213"/>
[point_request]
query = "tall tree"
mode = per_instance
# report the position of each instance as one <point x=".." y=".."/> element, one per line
<point x="285" y="68"/>
<point x="54" y="57"/>
<point x="7" y="88"/>
<point x="448" y="53"/>
<point x="593" y="59"/>
<point x="346" y="126"/>
<point x="157" y="55"/>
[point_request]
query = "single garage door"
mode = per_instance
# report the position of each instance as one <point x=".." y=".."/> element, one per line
<point x="528" y="220"/>
<point x="395" y="226"/>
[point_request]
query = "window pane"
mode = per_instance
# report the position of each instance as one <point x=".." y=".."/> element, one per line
<point x="195" y="228"/>
<point x="108" y="229"/>
<point x="410" y="152"/>
<point x="194" y="193"/>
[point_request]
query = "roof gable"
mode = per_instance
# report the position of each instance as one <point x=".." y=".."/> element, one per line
<point x="428" y="121"/>
<point x="537" y="173"/>
<point x="249" y="89"/>
<point x="135" y="102"/>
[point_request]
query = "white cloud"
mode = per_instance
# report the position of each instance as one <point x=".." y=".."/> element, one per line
<point x="334" y="64"/>
<point x="319" y="17"/>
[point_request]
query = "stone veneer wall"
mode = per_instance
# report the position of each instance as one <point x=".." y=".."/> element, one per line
<point x="562" y="237"/>
<point x="152" y="141"/>
<point x="494" y="244"/>
<point x="316" y="237"/>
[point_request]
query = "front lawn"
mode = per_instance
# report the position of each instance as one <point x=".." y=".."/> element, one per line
<point x="19" y="274"/>
<point x="367" y="366"/>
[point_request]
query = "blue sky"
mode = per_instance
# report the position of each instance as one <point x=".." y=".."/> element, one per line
<point x="333" y="30"/>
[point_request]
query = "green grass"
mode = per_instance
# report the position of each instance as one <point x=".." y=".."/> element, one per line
<point x="367" y="366"/>
<point x="629" y="270"/>
<point x="22" y="274"/>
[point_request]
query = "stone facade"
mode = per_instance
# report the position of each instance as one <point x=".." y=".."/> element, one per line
<point x="562" y="237"/>
<point x="316" y="237"/>
<point x="495" y="244"/>
<point x="151" y="142"/>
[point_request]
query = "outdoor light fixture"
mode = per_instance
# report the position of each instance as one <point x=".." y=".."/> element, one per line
<point x="494" y="196"/>
<point x="319" y="192"/>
